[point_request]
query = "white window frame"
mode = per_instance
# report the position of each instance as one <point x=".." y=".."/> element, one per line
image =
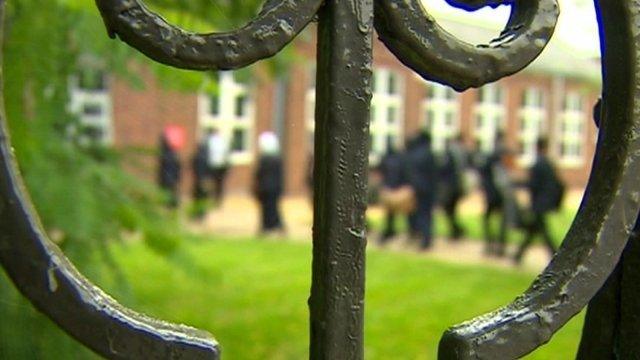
<point x="441" y="106"/>
<point x="310" y="107"/>
<point x="532" y="120"/>
<point x="226" y="121"/>
<point x="572" y="130"/>
<point x="80" y="97"/>
<point x="490" y="116"/>
<point x="381" y="102"/>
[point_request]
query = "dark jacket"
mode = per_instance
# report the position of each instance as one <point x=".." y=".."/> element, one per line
<point x="544" y="185"/>
<point x="392" y="170"/>
<point x="199" y="162"/>
<point x="169" y="169"/>
<point x="421" y="170"/>
<point x="487" y="178"/>
<point x="451" y="172"/>
<point x="268" y="177"/>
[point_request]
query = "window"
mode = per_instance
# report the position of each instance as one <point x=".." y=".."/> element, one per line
<point x="532" y="117"/>
<point x="490" y="116"/>
<point x="231" y="111"/>
<point x="90" y="100"/>
<point x="386" y="111"/>
<point x="572" y="135"/>
<point x="442" y="111"/>
<point x="310" y="107"/>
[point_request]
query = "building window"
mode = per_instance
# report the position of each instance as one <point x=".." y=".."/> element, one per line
<point x="442" y="112"/>
<point x="90" y="101"/>
<point x="572" y="131"/>
<point x="386" y="111"/>
<point x="532" y="117"/>
<point x="490" y="116"/>
<point x="231" y="111"/>
<point x="310" y="107"/>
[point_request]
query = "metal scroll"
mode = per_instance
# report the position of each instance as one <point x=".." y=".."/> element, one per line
<point x="587" y="257"/>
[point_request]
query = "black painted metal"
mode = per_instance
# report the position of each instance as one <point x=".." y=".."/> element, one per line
<point x="341" y="156"/>
<point x="421" y="44"/>
<point x="587" y="257"/>
<point x="604" y="222"/>
<point x="276" y="25"/>
<point x="46" y="277"/>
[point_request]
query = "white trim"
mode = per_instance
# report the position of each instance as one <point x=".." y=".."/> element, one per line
<point x="441" y="114"/>
<point x="572" y="131"/>
<point x="532" y="118"/>
<point x="80" y="98"/>
<point x="226" y="121"/>
<point x="490" y="115"/>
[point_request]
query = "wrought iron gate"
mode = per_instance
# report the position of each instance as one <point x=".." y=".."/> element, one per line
<point x="593" y="251"/>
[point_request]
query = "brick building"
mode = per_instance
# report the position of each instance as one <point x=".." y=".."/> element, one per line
<point x="553" y="97"/>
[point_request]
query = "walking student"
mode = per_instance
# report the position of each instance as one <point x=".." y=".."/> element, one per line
<point x="268" y="183"/>
<point x="391" y="169"/>
<point x="452" y="184"/>
<point x="217" y="163"/>
<point x="421" y="173"/>
<point x="494" y="201"/>
<point x="169" y="170"/>
<point x="546" y="192"/>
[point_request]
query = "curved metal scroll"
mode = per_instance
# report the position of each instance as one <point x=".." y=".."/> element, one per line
<point x="604" y="222"/>
<point x="46" y="277"/>
<point x="276" y="25"/>
<point x="420" y="43"/>
<point x="588" y="254"/>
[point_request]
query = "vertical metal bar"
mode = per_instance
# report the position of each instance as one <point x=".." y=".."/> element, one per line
<point x="343" y="93"/>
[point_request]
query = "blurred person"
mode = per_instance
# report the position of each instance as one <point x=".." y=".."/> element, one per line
<point x="494" y="179"/>
<point x="217" y="162"/>
<point x="268" y="182"/>
<point x="452" y="183"/>
<point x="421" y="175"/>
<point x="169" y="170"/>
<point x="546" y="191"/>
<point x="200" y="174"/>
<point x="392" y="172"/>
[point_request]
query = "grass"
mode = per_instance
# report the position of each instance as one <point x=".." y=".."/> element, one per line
<point x="558" y="223"/>
<point x="252" y="295"/>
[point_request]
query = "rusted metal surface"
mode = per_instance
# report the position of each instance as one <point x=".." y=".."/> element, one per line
<point x="343" y="96"/>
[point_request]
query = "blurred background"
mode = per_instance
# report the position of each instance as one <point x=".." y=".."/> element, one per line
<point x="187" y="195"/>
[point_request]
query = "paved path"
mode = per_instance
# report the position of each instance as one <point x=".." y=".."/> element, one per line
<point x="238" y="216"/>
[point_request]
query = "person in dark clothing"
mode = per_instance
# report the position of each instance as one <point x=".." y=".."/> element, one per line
<point x="268" y="183"/>
<point x="421" y="175"/>
<point x="494" y="199"/>
<point x="391" y="169"/>
<point x="545" y="191"/>
<point x="169" y="171"/>
<point x="452" y="184"/>
<point x="200" y="174"/>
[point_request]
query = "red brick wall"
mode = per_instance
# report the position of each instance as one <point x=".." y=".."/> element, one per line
<point x="140" y="115"/>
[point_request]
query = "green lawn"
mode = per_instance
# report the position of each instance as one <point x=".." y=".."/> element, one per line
<point x="252" y="296"/>
<point x="559" y="223"/>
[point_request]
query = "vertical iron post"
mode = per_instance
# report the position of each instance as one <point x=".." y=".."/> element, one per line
<point x="343" y="93"/>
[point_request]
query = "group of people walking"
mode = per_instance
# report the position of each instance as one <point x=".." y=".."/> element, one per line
<point x="414" y="182"/>
<point x="417" y="180"/>
<point x="210" y="166"/>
